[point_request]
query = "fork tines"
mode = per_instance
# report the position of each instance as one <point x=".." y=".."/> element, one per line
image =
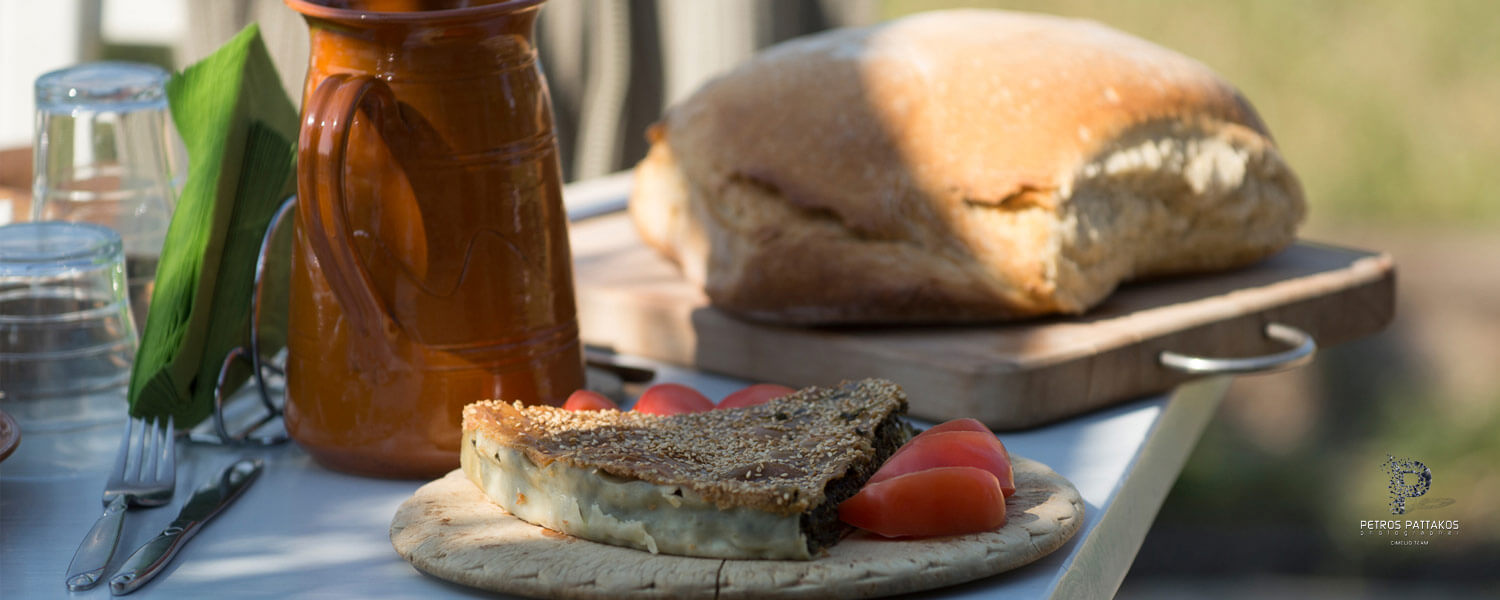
<point x="147" y="456"/>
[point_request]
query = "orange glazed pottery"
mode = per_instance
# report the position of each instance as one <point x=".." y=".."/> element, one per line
<point x="431" y="265"/>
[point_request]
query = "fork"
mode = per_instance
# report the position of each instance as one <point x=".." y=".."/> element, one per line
<point x="145" y="474"/>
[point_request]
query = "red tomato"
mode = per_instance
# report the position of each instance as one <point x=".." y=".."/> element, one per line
<point x="589" y="400"/>
<point x="940" y="501"/>
<point x="672" y="399"/>
<point x="962" y="425"/>
<point x="950" y="449"/>
<point x="958" y="425"/>
<point x="759" y="393"/>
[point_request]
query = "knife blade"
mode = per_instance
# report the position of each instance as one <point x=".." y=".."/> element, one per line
<point x="206" y="502"/>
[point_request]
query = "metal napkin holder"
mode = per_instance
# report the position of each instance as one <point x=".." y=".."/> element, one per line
<point x="260" y="365"/>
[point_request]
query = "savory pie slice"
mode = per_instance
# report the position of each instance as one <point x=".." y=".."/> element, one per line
<point x="757" y="482"/>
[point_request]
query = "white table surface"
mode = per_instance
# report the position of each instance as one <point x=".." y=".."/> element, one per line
<point x="302" y="531"/>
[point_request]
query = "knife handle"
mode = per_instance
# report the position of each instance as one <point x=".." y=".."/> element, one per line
<point x="98" y="546"/>
<point x="149" y="559"/>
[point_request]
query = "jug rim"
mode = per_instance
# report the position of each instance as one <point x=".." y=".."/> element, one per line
<point x="310" y="8"/>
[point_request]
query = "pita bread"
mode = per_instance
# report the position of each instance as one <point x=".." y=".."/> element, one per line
<point x="449" y="529"/>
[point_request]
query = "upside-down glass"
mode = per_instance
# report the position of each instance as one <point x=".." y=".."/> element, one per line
<point x="66" y="339"/>
<point x="103" y="155"/>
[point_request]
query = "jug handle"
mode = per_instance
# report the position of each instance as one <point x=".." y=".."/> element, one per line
<point x="321" y="148"/>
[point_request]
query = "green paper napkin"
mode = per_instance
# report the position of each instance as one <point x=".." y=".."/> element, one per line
<point x="240" y="129"/>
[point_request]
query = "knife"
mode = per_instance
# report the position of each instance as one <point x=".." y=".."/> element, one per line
<point x="150" y="558"/>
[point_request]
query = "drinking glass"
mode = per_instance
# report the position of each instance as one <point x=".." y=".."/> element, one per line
<point x="104" y="155"/>
<point x="67" y="341"/>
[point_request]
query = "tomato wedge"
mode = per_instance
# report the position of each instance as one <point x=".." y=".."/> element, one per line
<point x="672" y="399"/>
<point x="939" y="501"/>
<point x="957" y="425"/>
<point x="589" y="400"/>
<point x="759" y="393"/>
<point x="950" y="449"/>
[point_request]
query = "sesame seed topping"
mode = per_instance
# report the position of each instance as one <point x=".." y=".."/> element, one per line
<point x="776" y="456"/>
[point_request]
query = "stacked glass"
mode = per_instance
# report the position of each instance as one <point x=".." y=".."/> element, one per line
<point x="104" y="154"/>
<point x="67" y="340"/>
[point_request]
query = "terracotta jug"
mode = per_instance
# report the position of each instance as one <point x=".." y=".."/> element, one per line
<point x="431" y="266"/>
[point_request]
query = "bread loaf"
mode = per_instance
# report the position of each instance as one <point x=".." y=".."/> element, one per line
<point x="957" y="166"/>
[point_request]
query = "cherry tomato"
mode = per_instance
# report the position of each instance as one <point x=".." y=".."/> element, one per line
<point x="672" y="399"/>
<point x="759" y="393"/>
<point x="939" y="501"/>
<point x="950" y="449"/>
<point x="589" y="400"/>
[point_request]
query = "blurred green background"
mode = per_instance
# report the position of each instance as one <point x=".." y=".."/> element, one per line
<point x="1390" y="113"/>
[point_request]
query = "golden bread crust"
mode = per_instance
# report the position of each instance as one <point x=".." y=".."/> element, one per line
<point x="959" y="165"/>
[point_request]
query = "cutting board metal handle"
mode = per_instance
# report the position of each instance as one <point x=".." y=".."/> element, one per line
<point x="1303" y="348"/>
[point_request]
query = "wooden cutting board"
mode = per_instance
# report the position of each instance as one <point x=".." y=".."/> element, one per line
<point x="1009" y="376"/>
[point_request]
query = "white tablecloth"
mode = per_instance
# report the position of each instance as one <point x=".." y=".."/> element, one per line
<point x="303" y="531"/>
